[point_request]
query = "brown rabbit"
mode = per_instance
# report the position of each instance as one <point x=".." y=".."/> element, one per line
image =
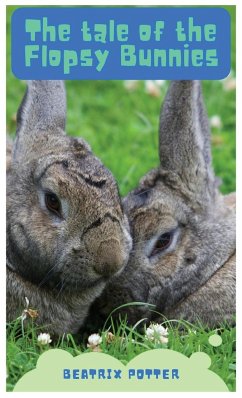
<point x="66" y="231"/>
<point x="183" y="229"/>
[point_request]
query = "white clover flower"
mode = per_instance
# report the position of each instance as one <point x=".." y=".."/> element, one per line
<point x="164" y="340"/>
<point x="149" y="333"/>
<point x="157" y="333"/>
<point x="94" y="340"/>
<point x="216" y="122"/>
<point x="152" y="88"/>
<point x="44" y="338"/>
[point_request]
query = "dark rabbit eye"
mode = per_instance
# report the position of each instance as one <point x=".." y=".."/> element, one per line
<point x="162" y="243"/>
<point x="52" y="203"/>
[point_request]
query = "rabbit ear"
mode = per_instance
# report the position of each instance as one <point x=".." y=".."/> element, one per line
<point x="185" y="134"/>
<point x="43" y="109"/>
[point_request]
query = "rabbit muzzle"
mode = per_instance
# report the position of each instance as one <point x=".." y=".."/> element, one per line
<point x="111" y="258"/>
<point x="109" y="244"/>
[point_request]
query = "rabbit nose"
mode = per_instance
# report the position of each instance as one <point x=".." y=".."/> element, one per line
<point x="110" y="258"/>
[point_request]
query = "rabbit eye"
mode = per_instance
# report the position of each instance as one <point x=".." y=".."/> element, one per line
<point x="162" y="243"/>
<point x="52" y="203"/>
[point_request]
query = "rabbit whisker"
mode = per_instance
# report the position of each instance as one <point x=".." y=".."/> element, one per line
<point x="47" y="276"/>
<point x="61" y="288"/>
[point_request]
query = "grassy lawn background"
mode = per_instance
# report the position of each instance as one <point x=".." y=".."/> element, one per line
<point x="122" y="128"/>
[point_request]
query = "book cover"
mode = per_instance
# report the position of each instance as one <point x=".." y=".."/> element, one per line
<point x="120" y="226"/>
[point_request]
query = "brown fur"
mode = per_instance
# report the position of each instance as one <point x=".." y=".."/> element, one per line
<point x="194" y="277"/>
<point x="59" y="261"/>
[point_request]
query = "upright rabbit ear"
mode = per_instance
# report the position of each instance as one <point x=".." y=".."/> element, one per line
<point x="43" y="109"/>
<point x="185" y="135"/>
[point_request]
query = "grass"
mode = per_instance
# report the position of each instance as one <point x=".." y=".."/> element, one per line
<point x="124" y="344"/>
<point x="121" y="126"/>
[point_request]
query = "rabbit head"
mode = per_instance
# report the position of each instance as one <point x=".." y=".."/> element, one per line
<point x="65" y="224"/>
<point x="182" y="230"/>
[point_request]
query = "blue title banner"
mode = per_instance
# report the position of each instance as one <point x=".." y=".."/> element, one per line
<point x="121" y="43"/>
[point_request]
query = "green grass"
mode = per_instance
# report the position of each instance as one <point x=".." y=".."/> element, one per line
<point x="23" y="350"/>
<point x="122" y="128"/>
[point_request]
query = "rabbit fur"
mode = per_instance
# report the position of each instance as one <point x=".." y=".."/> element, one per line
<point x="66" y="230"/>
<point x="183" y="229"/>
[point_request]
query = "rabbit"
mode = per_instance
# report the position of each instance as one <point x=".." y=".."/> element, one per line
<point x="66" y="230"/>
<point x="183" y="229"/>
